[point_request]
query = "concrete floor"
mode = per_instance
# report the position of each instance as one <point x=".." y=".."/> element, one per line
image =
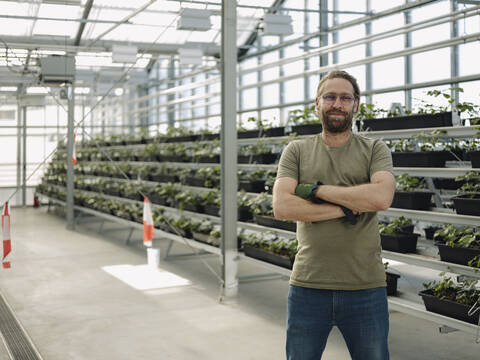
<point x="78" y="296"/>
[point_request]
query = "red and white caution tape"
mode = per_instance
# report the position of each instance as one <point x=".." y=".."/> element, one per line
<point x="7" y="244"/>
<point x="148" y="227"/>
<point x="74" y="154"/>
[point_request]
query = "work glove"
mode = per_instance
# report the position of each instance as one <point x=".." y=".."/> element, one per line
<point x="306" y="191"/>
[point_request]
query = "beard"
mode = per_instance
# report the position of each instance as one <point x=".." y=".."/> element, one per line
<point x="335" y="123"/>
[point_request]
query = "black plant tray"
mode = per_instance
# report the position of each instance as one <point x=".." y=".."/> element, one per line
<point x="257" y="186"/>
<point x="430" y="231"/>
<point x="207" y="137"/>
<point x="257" y="159"/>
<point x="402" y="243"/>
<point x="244" y="214"/>
<point x="164" y="178"/>
<point x="392" y="283"/>
<point x="215" y="159"/>
<point x="193" y="181"/>
<point x="420" y="158"/>
<point x="465" y="205"/>
<point x="447" y="184"/>
<point x="181" y="138"/>
<point x="307" y="129"/>
<point x="474" y="158"/>
<point x="248" y="134"/>
<point x="211" y="210"/>
<point x="275" y="131"/>
<point x="456" y="255"/>
<point x="448" y="308"/>
<point x="272" y="258"/>
<point x="272" y="222"/>
<point x="205" y="238"/>
<point x="414" y="200"/>
<point x="408" y="122"/>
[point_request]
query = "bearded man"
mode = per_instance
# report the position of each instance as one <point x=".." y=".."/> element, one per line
<point x="333" y="184"/>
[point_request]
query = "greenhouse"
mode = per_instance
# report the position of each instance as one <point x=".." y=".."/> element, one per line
<point x="269" y="179"/>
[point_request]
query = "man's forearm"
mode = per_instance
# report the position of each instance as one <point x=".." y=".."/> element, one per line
<point x="359" y="198"/>
<point x="292" y="207"/>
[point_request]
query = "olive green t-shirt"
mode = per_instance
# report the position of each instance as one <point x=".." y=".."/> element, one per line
<point x="333" y="254"/>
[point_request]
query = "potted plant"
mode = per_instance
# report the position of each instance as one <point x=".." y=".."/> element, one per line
<point x="201" y="231"/>
<point x="468" y="200"/>
<point x="392" y="280"/>
<point x="473" y="151"/>
<point x="207" y="152"/>
<point x="252" y="181"/>
<point x="261" y="207"/>
<point x="305" y="121"/>
<point x="181" y="226"/>
<point x="260" y="153"/>
<point x="397" y="237"/>
<point x="430" y="231"/>
<point x="187" y="200"/>
<point x="420" y="151"/>
<point x="243" y="207"/>
<point x="452" y="299"/>
<point x="458" y="246"/>
<point x="210" y="200"/>
<point x="411" y="193"/>
<point x="271" y="248"/>
<point x="270" y="180"/>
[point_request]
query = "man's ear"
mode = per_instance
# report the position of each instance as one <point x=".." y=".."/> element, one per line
<point x="355" y="106"/>
<point x="317" y="105"/>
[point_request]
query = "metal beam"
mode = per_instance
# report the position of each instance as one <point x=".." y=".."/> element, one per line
<point x="228" y="137"/>
<point x="70" y="178"/>
<point x="122" y="21"/>
<point x="81" y="27"/>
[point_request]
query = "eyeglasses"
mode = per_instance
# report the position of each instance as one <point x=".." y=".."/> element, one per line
<point x="331" y="99"/>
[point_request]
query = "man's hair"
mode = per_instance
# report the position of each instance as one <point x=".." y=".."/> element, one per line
<point x="343" y="75"/>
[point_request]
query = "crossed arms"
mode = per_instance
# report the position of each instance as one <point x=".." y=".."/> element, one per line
<point x="374" y="196"/>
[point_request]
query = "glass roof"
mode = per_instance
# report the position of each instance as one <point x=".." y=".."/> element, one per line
<point x="36" y="28"/>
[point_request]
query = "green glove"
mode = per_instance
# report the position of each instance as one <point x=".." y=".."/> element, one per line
<point x="305" y="191"/>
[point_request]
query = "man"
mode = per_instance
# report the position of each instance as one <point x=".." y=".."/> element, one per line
<point x="338" y="277"/>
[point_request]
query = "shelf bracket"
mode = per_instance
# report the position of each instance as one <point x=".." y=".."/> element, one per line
<point x="445" y="329"/>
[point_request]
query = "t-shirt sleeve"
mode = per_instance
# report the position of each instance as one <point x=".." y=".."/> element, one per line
<point x="289" y="162"/>
<point x="381" y="158"/>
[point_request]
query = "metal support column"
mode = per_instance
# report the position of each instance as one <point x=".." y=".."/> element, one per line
<point x="306" y="62"/>
<point x="70" y="125"/>
<point x="24" y="155"/>
<point x="19" y="152"/>
<point x="454" y="54"/>
<point x="229" y="148"/>
<point x="323" y="21"/>
<point x="335" y="33"/>
<point x="368" y="53"/>
<point x="281" y="84"/>
<point x="171" y="96"/>
<point x="408" y="63"/>
<point x="259" y="79"/>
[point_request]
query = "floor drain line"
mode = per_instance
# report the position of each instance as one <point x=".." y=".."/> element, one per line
<point x="18" y="343"/>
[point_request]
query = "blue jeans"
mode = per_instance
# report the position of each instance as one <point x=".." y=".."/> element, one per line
<point x="360" y="315"/>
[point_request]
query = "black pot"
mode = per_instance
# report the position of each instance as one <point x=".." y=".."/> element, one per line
<point x="215" y="159"/>
<point x="164" y="178"/>
<point x="211" y="210"/>
<point x="456" y="255"/>
<point x="244" y="214"/>
<point x="307" y="129"/>
<point x="256" y="186"/>
<point x="193" y="181"/>
<point x="207" y="137"/>
<point x="392" y="283"/>
<point x="474" y="158"/>
<point x="182" y="138"/>
<point x="447" y="184"/>
<point x="430" y="231"/>
<point x="272" y="258"/>
<point x="257" y="159"/>
<point x="275" y="131"/>
<point x="403" y="243"/>
<point x="275" y="223"/>
<point x="466" y="205"/>
<point x="420" y="158"/>
<point x="448" y="308"/>
<point x="248" y="134"/>
<point x="407" y="122"/>
<point x="414" y="200"/>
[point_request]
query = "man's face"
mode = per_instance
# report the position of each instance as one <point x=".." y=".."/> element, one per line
<point x="336" y="105"/>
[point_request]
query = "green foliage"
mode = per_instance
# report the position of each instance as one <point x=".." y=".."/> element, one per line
<point x="463" y="293"/>
<point x="304" y="116"/>
<point x="410" y="183"/>
<point x="261" y="205"/>
<point x="395" y="227"/>
<point x="454" y="237"/>
<point x="472" y="184"/>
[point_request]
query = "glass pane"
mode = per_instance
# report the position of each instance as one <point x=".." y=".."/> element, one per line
<point x="270" y="94"/>
<point x="294" y="90"/>
<point x="395" y="70"/>
<point x="432" y="65"/>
